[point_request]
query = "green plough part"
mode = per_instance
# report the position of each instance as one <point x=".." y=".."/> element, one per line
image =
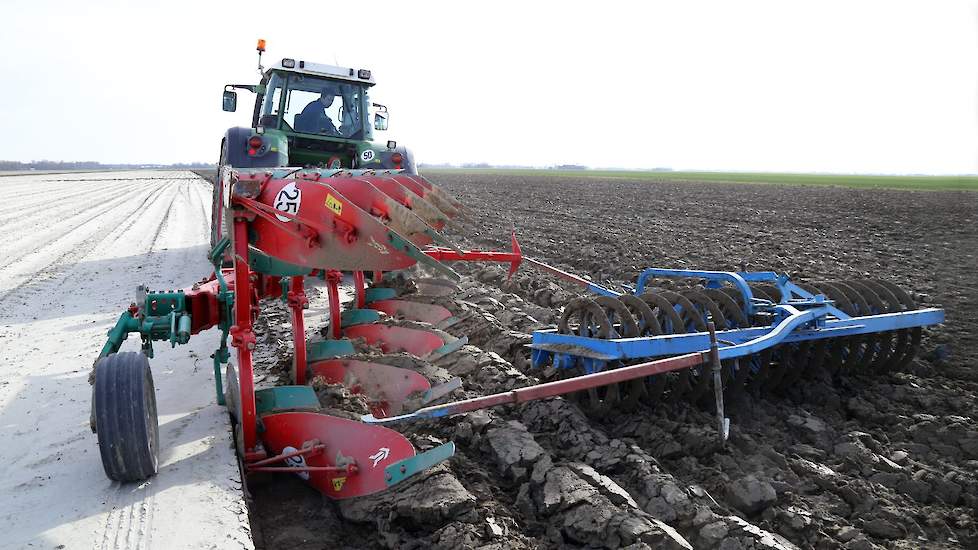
<point x="450" y="347"/>
<point x="225" y="298"/>
<point x="381" y="293"/>
<point x="165" y="316"/>
<point x="172" y="323"/>
<point x="328" y="349"/>
<point x="263" y="263"/>
<point x="285" y="398"/>
<point x="352" y="317"/>
<point x="399" y="471"/>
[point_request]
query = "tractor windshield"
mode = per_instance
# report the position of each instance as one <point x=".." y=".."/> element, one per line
<point x="314" y="105"/>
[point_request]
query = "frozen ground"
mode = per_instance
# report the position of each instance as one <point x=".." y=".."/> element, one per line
<point x="74" y="247"/>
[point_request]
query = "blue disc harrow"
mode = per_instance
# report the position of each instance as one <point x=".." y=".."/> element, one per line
<point x="771" y="332"/>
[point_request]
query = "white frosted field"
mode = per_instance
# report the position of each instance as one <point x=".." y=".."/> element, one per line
<point x="73" y="248"/>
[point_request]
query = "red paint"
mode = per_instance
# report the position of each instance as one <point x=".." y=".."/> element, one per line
<point x="361" y="290"/>
<point x="346" y="442"/>
<point x="343" y="236"/>
<point x="412" y="311"/>
<point x="333" y="279"/>
<point x="372" y="200"/>
<point x="242" y="335"/>
<point x="393" y="339"/>
<point x="386" y="388"/>
<point x="561" y="387"/>
<point x="297" y="303"/>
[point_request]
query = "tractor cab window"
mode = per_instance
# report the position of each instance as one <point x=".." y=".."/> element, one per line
<point x="324" y="107"/>
<point x="271" y="101"/>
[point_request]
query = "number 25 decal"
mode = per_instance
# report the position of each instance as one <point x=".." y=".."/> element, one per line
<point x="288" y="200"/>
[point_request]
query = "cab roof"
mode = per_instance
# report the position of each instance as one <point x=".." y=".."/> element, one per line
<point x="321" y="69"/>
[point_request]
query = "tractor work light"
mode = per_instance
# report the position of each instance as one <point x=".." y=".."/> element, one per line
<point x="288" y="63"/>
<point x="261" y="44"/>
<point x="392" y="144"/>
<point x="364" y="74"/>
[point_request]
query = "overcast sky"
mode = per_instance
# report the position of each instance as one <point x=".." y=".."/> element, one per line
<point x="876" y="87"/>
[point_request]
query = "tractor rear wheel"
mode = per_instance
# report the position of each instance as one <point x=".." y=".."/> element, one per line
<point x="125" y="417"/>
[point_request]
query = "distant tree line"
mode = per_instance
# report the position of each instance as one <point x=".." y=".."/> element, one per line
<point x="519" y="166"/>
<point x="9" y="165"/>
<point x="566" y="167"/>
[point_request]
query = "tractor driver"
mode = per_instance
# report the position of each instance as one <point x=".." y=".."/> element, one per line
<point x="313" y="118"/>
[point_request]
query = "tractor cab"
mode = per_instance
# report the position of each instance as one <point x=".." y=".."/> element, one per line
<point x="311" y="115"/>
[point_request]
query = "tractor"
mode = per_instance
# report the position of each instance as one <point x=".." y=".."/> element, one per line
<point x="308" y="115"/>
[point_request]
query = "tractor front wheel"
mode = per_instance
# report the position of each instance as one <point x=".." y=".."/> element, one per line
<point x="125" y="417"/>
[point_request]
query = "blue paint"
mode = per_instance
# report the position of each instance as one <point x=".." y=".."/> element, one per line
<point x="798" y="315"/>
<point x="739" y="280"/>
<point x="796" y="325"/>
<point x="602" y="291"/>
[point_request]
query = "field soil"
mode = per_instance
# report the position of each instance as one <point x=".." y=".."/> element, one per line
<point x="850" y="461"/>
<point x="74" y="248"/>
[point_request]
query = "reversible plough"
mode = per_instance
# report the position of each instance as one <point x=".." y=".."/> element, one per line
<point x="767" y="330"/>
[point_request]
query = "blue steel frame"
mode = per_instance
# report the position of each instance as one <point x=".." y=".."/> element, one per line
<point x="799" y="316"/>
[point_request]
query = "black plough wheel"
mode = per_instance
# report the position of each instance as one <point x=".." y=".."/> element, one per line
<point x="125" y="417"/>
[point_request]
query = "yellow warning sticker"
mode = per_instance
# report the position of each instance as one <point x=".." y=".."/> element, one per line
<point x="334" y="204"/>
<point x="338" y="483"/>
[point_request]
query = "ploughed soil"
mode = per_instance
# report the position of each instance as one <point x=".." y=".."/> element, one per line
<point x="852" y="461"/>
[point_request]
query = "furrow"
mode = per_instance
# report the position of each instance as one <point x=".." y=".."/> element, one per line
<point x="91" y="215"/>
<point x="76" y="251"/>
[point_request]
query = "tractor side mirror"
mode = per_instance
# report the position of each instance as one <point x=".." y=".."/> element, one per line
<point x="380" y="121"/>
<point x="230" y="101"/>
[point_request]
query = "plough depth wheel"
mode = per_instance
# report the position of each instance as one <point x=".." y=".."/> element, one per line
<point x="125" y="417"/>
